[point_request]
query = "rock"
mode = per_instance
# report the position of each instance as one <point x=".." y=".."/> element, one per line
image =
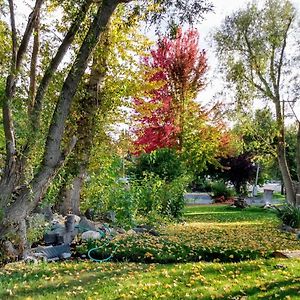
<point x="65" y="255"/>
<point x="121" y="230"/>
<point x="56" y="235"/>
<point x="30" y="259"/>
<point x="58" y="219"/>
<point x="110" y="216"/>
<point x="91" y="235"/>
<point x="140" y="230"/>
<point x="47" y="212"/>
<point x="131" y="232"/>
<point x="89" y="214"/>
<point x="154" y="232"/>
<point x="77" y="219"/>
<point x="86" y="225"/>
<point x="10" y="250"/>
<point x="287" y="228"/>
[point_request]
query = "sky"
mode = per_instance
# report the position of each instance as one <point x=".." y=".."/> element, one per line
<point x="213" y="20"/>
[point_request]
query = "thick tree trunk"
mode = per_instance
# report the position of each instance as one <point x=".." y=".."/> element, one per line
<point x="13" y="164"/>
<point x="30" y="195"/>
<point x="69" y="196"/>
<point x="281" y="154"/>
<point x="298" y="153"/>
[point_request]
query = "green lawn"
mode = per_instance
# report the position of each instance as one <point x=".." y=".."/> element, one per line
<point x="205" y="226"/>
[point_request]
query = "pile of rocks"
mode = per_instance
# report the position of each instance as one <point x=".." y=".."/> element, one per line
<point x="72" y="229"/>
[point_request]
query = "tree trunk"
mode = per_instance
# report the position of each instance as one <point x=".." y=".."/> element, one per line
<point x="69" y="196"/>
<point x="30" y="195"/>
<point x="281" y="155"/>
<point x="298" y="152"/>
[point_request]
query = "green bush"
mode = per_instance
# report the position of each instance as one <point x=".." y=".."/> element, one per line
<point x="289" y="215"/>
<point x="154" y="195"/>
<point x="220" y="189"/>
<point x="165" y="163"/>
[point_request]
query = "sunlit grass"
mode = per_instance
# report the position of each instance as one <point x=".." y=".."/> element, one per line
<point x="260" y="279"/>
<point x="224" y="230"/>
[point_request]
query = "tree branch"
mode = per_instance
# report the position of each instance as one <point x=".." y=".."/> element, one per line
<point x="282" y="53"/>
<point x="67" y="41"/>
<point x="33" y="64"/>
<point x="28" y="31"/>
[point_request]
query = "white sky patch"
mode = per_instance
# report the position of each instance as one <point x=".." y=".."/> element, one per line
<point x="213" y="20"/>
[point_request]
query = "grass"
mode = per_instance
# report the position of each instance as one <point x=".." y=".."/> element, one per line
<point x="210" y="233"/>
<point x="260" y="279"/>
<point x="205" y="226"/>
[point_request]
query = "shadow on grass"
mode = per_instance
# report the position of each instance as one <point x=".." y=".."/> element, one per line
<point x="35" y="284"/>
<point x="275" y="290"/>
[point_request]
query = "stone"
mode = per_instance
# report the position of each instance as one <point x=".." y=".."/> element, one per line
<point x="47" y="212"/>
<point x="86" y="225"/>
<point x="110" y="216"/>
<point x="131" y="232"/>
<point x="121" y="230"/>
<point x="58" y="219"/>
<point x="30" y="259"/>
<point x="91" y="235"/>
<point x="140" y="230"/>
<point x="89" y="214"/>
<point x="287" y="228"/>
<point x="77" y="219"/>
<point x="65" y="255"/>
<point x="268" y="195"/>
<point x="10" y="250"/>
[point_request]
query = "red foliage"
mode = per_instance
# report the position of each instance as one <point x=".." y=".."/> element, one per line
<point x="181" y="65"/>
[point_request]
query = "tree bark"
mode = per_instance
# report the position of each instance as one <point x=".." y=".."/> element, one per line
<point x="30" y="195"/>
<point x="13" y="166"/>
<point x="69" y="196"/>
<point x="281" y="154"/>
<point x="298" y="152"/>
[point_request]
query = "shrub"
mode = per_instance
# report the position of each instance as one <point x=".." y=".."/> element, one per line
<point x="154" y="195"/>
<point x="289" y="215"/>
<point x="165" y="163"/>
<point x="220" y="189"/>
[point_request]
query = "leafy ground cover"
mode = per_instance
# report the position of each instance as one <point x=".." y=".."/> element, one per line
<point x="208" y="227"/>
<point x="260" y="279"/>
<point x="211" y="233"/>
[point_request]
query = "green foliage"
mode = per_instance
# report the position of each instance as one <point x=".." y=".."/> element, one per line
<point x="164" y="162"/>
<point x="158" y="196"/>
<point x="220" y="189"/>
<point x="36" y="228"/>
<point x="289" y="215"/>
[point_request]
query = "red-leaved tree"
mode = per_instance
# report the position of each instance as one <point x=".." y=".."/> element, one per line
<point x="179" y="67"/>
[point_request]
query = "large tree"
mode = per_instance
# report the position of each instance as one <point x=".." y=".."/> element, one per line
<point x="255" y="47"/>
<point x="20" y="191"/>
